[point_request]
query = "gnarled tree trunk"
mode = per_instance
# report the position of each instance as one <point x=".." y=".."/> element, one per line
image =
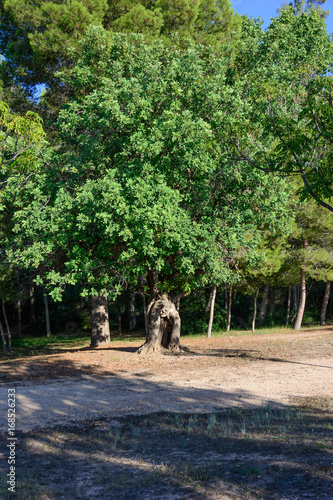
<point x="163" y="326"/>
<point x="100" y="330"/>
<point x="325" y="302"/>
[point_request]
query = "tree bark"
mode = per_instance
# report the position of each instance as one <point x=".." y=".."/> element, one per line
<point x="229" y="309"/>
<point x="295" y="297"/>
<point x="208" y="306"/>
<point x="100" y="329"/>
<point x="264" y="304"/>
<point x="32" y="305"/>
<point x="255" y="311"/>
<point x="4" y="344"/>
<point x="211" y="313"/>
<point x="47" y="315"/>
<point x="325" y="303"/>
<point x="301" y="302"/>
<point x="132" y="314"/>
<point x="7" y="325"/>
<point x="163" y="326"/>
<point x="288" y="306"/>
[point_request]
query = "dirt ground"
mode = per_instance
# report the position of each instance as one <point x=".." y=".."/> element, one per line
<point x="68" y="395"/>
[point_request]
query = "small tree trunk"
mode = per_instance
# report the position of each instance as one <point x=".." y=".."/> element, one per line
<point x="209" y="303"/>
<point x="145" y="312"/>
<point x="32" y="305"/>
<point x="229" y="309"/>
<point x="301" y="303"/>
<point x="119" y="318"/>
<point x="19" y="317"/>
<point x="3" y="340"/>
<point x="7" y="325"/>
<point x="47" y="315"/>
<point x="271" y="301"/>
<point x="264" y="304"/>
<point x="211" y="313"/>
<point x="325" y="303"/>
<point x="295" y="298"/>
<point x="255" y="311"/>
<point x="163" y="326"/>
<point x="100" y="329"/>
<point x="226" y="298"/>
<point x="288" y="306"/>
<point x="132" y="314"/>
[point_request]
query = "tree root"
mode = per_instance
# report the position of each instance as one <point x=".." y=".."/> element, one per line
<point x="150" y="348"/>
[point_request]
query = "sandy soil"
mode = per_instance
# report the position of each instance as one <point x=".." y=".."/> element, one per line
<point x="222" y="372"/>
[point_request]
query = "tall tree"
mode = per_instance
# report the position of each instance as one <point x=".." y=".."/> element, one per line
<point x="143" y="185"/>
<point x="285" y="107"/>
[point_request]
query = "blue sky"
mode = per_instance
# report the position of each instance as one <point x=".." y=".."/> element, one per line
<point x="267" y="9"/>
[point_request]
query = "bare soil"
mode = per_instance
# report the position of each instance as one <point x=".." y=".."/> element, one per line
<point x="245" y="417"/>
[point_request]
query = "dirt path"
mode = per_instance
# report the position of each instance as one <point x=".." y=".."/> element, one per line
<point x="216" y="373"/>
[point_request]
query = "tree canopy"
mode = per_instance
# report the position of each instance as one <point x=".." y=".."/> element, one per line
<point x="143" y="180"/>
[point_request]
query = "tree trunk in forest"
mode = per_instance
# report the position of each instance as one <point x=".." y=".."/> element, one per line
<point x="211" y="313"/>
<point x="145" y="313"/>
<point x="7" y="325"/>
<point x="264" y="303"/>
<point x="226" y="298"/>
<point x="288" y="306"/>
<point x="295" y="298"/>
<point x="208" y="306"/>
<point x="229" y="309"/>
<point x="3" y="340"/>
<point x="325" y="303"/>
<point x="32" y="305"/>
<point x="301" y="302"/>
<point x="47" y="315"/>
<point x="19" y="318"/>
<point x="163" y="326"/>
<point x="100" y="329"/>
<point x="119" y="318"/>
<point x="132" y="314"/>
<point x="271" y="301"/>
<point x="255" y="311"/>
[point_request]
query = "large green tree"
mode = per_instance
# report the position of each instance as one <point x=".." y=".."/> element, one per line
<point x="285" y="109"/>
<point x="142" y="184"/>
<point x="36" y="40"/>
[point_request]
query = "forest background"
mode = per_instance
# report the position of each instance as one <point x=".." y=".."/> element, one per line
<point x="178" y="163"/>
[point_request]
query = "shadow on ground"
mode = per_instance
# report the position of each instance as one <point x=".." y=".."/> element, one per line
<point x="262" y="453"/>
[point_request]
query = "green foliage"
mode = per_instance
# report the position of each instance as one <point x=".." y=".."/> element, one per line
<point x="143" y="180"/>
<point x="37" y="40"/>
<point x="283" y="97"/>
